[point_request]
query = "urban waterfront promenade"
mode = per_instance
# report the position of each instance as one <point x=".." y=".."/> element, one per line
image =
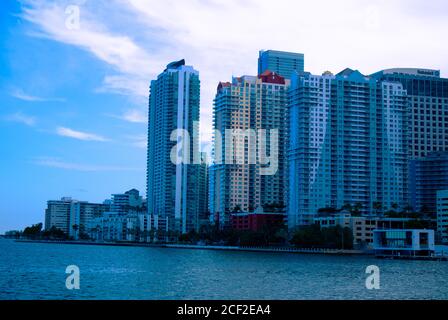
<point x="212" y="247"/>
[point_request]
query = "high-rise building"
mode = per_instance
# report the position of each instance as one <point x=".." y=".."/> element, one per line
<point x="248" y="111"/>
<point x="348" y="144"/>
<point x="82" y="213"/>
<point x="123" y="203"/>
<point x="442" y="215"/>
<point x="72" y="216"/>
<point x="427" y="176"/>
<point x="428" y="98"/>
<point x="57" y="214"/>
<point x="280" y="62"/>
<point x="203" y="194"/>
<point x="172" y="174"/>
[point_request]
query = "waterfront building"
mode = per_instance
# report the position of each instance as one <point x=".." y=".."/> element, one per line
<point x="256" y="221"/>
<point x="72" y="216"/>
<point x="81" y="214"/>
<point x="250" y="122"/>
<point x="130" y="200"/>
<point x="203" y="192"/>
<point x="172" y="182"/>
<point x="428" y="108"/>
<point x="362" y="226"/>
<point x="57" y="214"/>
<point x="428" y="175"/>
<point x="280" y="62"/>
<point x="347" y="144"/>
<point x="140" y="227"/>
<point x="442" y="215"/>
<point x="406" y="242"/>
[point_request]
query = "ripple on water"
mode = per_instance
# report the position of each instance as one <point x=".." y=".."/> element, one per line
<point x="37" y="271"/>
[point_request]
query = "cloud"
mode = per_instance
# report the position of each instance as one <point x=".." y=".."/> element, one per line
<point x="60" y="164"/>
<point x="21" y="118"/>
<point x="139" y="141"/>
<point x="133" y="115"/>
<point x="221" y="38"/>
<point x="130" y="62"/>
<point x="67" y="132"/>
<point x="20" y="94"/>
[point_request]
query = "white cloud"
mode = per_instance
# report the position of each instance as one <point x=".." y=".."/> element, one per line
<point x="60" y="164"/>
<point x="221" y="38"/>
<point x="132" y="115"/>
<point x="20" y="94"/>
<point x="67" y="132"/>
<point x="21" y="118"/>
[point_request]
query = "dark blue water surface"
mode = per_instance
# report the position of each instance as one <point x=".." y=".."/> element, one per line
<point x="37" y="271"/>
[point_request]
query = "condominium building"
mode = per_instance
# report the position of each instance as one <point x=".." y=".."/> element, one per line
<point x="72" y="216"/>
<point x="173" y="144"/>
<point x="57" y="214"/>
<point x="442" y="215"/>
<point x="348" y="144"/>
<point x="250" y="122"/>
<point x="203" y="192"/>
<point x="280" y="62"/>
<point x="125" y="202"/>
<point x="81" y="214"/>
<point x="428" y="175"/>
<point x="428" y="99"/>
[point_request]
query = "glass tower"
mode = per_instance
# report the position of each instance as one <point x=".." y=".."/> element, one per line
<point x="428" y="175"/>
<point x="280" y="62"/>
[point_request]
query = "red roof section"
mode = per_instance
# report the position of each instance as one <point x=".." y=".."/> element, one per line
<point x="271" y="77"/>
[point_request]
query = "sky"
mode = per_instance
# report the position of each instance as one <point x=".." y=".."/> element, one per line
<point x="75" y="74"/>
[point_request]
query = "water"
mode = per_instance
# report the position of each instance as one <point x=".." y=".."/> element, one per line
<point x="37" y="271"/>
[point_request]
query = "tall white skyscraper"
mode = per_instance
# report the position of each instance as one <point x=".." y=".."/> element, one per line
<point x="172" y="184"/>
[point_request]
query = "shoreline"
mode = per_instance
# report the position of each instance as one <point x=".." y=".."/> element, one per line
<point x="339" y="252"/>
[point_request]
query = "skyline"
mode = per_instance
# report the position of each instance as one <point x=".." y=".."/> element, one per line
<point x="70" y="93"/>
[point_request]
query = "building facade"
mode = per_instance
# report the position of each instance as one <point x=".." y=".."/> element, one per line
<point x="442" y="215"/>
<point x="173" y="147"/>
<point x="428" y="109"/>
<point x="57" y="214"/>
<point x="72" y="216"/>
<point x="406" y="242"/>
<point x="280" y="62"/>
<point x="256" y="221"/>
<point x="428" y="175"/>
<point x="348" y="144"/>
<point x="130" y="200"/>
<point x="81" y="214"/>
<point x="362" y="227"/>
<point x="250" y="122"/>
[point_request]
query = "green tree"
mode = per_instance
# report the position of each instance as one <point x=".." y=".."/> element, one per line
<point x="33" y="232"/>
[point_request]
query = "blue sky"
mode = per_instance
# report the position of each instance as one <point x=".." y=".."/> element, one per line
<point x="73" y="101"/>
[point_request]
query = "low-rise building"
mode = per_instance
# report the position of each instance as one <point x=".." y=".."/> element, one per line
<point x="362" y="226"/>
<point x="133" y="227"/>
<point x="404" y="242"/>
<point x="256" y="221"/>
